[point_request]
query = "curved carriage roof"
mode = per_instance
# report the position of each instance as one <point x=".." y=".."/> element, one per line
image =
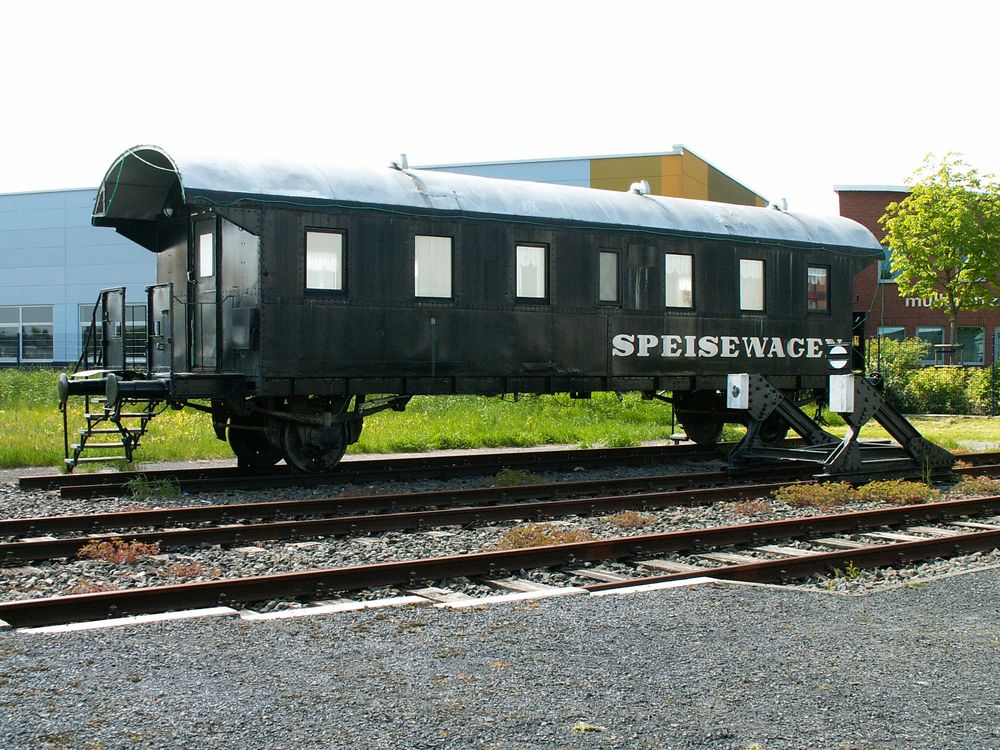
<point x="145" y="183"/>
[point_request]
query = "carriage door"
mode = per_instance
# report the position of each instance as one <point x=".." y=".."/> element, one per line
<point x="203" y="275"/>
<point x="113" y="328"/>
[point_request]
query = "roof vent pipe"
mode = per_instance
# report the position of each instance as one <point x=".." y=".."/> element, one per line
<point x="402" y="164"/>
<point x="639" y="188"/>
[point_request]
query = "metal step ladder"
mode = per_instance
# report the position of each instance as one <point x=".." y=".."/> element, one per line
<point x="103" y="422"/>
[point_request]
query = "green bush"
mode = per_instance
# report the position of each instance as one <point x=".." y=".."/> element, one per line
<point x="981" y="381"/>
<point x="897" y="361"/>
<point x="917" y="389"/>
<point x="937" y="390"/>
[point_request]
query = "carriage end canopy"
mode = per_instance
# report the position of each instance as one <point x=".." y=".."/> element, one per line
<point x="139" y="195"/>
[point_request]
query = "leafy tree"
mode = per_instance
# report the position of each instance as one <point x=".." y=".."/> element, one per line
<point x="945" y="237"/>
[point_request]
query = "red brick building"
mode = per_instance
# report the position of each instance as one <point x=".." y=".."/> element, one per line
<point x="899" y="317"/>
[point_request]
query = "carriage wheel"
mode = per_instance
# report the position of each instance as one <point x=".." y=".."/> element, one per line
<point x="252" y="448"/>
<point x="773" y="430"/>
<point x="313" y="450"/>
<point x="700" y="414"/>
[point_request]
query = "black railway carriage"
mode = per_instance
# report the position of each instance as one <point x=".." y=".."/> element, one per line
<point x="285" y="295"/>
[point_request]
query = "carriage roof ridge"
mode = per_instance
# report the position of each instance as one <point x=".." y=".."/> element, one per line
<point x="143" y="180"/>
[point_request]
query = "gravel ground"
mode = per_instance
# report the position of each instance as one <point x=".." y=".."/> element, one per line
<point x="709" y="668"/>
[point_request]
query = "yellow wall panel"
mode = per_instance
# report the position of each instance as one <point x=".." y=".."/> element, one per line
<point x="619" y="173"/>
<point x="679" y="175"/>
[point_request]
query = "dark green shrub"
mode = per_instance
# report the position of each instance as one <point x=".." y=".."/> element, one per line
<point x="980" y="383"/>
<point x="937" y="390"/>
<point x="897" y="362"/>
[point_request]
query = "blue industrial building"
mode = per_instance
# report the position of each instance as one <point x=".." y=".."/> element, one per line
<point x="53" y="263"/>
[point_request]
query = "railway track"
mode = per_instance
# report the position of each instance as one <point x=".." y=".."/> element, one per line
<point x="208" y="479"/>
<point x="315" y="517"/>
<point x="321" y="583"/>
<point x="640" y="552"/>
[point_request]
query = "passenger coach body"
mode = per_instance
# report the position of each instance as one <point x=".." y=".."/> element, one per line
<point x="285" y="296"/>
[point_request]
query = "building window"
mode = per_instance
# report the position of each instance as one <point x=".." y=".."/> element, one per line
<point x="135" y="332"/>
<point x="678" y="284"/>
<point x="751" y="285"/>
<point x="206" y="254"/>
<point x="608" y="284"/>
<point x="972" y="340"/>
<point x="933" y="336"/>
<point x="531" y="267"/>
<point x="818" y="289"/>
<point x="885" y="272"/>
<point x="324" y="260"/>
<point x="432" y="266"/>
<point x="26" y="333"/>
<point x="896" y="333"/>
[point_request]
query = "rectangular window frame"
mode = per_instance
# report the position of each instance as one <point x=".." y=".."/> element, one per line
<point x="825" y="310"/>
<point x="934" y="356"/>
<point x="617" y="255"/>
<point x="321" y="291"/>
<point x="895" y="333"/>
<point x="451" y="269"/>
<point x="962" y="355"/>
<point x="885" y="274"/>
<point x="18" y="330"/>
<point x="533" y="300"/>
<point x="763" y="286"/>
<point x="666" y="288"/>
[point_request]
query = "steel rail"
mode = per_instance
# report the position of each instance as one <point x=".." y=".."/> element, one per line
<point x="61" y="609"/>
<point x="366" y="467"/>
<point x="17" y="552"/>
<point x="792" y="568"/>
<point x="279" y="509"/>
<point x="361" y="470"/>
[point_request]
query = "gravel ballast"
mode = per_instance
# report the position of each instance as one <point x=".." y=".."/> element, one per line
<point x="728" y="667"/>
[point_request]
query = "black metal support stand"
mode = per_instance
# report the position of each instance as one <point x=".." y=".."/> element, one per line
<point x="857" y="401"/>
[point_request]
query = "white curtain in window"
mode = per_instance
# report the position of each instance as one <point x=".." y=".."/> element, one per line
<point x="751" y="284"/>
<point x="432" y="266"/>
<point x="678" y="281"/>
<point x="324" y="260"/>
<point x="530" y="271"/>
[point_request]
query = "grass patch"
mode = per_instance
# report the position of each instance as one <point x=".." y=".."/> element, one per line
<point x="541" y="534"/>
<point x="832" y="494"/>
<point x="816" y="494"/>
<point x="631" y="519"/>
<point x="752" y="507"/>
<point x="118" y="551"/>
<point x="897" y="492"/>
<point x="33" y="425"/>
<point x="975" y="486"/>
<point x="511" y="478"/>
<point x="142" y="489"/>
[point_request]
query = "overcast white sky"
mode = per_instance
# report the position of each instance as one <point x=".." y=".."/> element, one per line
<point x="790" y="98"/>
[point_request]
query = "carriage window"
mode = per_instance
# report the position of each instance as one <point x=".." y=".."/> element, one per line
<point x="531" y="262"/>
<point x="432" y="266"/>
<point x="818" y="289"/>
<point x="679" y="277"/>
<point x="608" y="284"/>
<point x="206" y="254"/>
<point x="325" y="260"/>
<point x="751" y="285"/>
